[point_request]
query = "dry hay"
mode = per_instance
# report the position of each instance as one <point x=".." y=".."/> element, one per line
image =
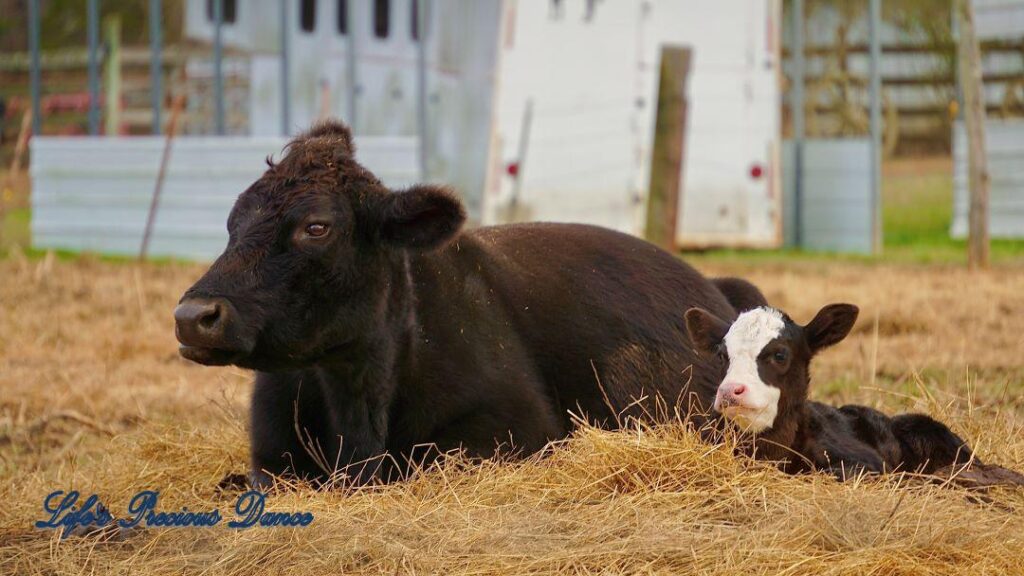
<point x="95" y="398"/>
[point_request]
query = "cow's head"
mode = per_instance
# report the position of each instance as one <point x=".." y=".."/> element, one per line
<point x="767" y="357"/>
<point x="314" y="251"/>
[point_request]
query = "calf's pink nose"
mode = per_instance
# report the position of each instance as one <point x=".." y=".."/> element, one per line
<point x="731" y="391"/>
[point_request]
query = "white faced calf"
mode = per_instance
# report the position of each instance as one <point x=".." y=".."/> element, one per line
<point x="764" y="393"/>
<point x="767" y="356"/>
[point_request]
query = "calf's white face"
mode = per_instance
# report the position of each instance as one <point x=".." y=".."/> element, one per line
<point x="767" y="358"/>
<point x="743" y="396"/>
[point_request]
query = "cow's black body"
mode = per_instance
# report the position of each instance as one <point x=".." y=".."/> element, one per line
<point x="377" y="327"/>
<point x="495" y="340"/>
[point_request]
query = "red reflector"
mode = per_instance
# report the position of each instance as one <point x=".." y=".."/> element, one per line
<point x="512" y="169"/>
<point x="756" y="171"/>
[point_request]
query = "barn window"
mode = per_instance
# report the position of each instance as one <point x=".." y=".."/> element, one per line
<point x="228" y="13"/>
<point x="343" y="17"/>
<point x="381" y="18"/>
<point x="307" y="15"/>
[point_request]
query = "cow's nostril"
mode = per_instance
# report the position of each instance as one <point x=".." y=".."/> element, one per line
<point x="202" y="322"/>
<point x="210" y="317"/>
<point x="739" y="390"/>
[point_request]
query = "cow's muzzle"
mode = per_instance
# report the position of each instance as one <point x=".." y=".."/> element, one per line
<point x="209" y="331"/>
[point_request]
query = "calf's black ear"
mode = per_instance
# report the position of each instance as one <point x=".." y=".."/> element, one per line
<point x="830" y="325"/>
<point x="706" y="330"/>
<point x="421" y="218"/>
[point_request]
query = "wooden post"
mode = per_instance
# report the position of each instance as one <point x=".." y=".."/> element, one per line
<point x="7" y="190"/>
<point x="969" y="55"/>
<point x="112" y="74"/>
<point x="667" y="157"/>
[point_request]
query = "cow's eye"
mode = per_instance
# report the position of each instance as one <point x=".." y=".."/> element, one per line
<point x="317" y="230"/>
<point x="779" y="357"/>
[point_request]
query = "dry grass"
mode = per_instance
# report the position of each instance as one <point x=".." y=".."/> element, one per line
<point x="94" y="397"/>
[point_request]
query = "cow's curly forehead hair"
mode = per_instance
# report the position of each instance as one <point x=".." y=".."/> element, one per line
<point x="318" y="160"/>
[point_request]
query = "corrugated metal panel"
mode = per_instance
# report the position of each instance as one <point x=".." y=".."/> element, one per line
<point x="94" y="193"/>
<point x="996" y="19"/>
<point x="1005" y="143"/>
<point x="837" y="211"/>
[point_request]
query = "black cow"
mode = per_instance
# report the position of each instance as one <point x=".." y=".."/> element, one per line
<point x="764" y="393"/>
<point x="376" y="327"/>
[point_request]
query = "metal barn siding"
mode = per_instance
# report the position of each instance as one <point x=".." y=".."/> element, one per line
<point x="999" y="18"/>
<point x="93" y="194"/>
<point x="1005" y="142"/>
<point x="837" y="208"/>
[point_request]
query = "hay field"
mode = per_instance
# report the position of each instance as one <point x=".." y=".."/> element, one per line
<point x="94" y="397"/>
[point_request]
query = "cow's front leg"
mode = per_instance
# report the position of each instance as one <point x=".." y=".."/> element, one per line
<point x="288" y="429"/>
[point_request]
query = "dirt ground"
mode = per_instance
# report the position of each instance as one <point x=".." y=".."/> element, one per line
<point x="94" y="397"/>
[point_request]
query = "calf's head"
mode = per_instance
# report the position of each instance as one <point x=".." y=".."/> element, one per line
<point x="314" y="250"/>
<point x="767" y="357"/>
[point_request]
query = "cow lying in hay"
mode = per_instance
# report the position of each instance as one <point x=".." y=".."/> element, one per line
<point x="764" y="393"/>
<point x="376" y="327"/>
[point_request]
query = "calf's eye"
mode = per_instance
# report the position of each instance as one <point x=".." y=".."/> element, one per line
<point x="316" y="230"/>
<point x="779" y="357"/>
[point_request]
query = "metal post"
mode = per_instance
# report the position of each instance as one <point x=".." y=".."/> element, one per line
<point x="875" y="17"/>
<point x="218" y="72"/>
<point x="421" y="81"/>
<point x="353" y="76"/>
<point x="33" y="46"/>
<point x="285" y="77"/>
<point x="798" y="119"/>
<point x="155" y="62"/>
<point x="93" y="34"/>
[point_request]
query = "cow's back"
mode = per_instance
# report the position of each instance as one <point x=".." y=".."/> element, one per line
<point x="597" y="309"/>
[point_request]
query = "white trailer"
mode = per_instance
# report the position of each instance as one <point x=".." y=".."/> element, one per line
<point x="591" y="74"/>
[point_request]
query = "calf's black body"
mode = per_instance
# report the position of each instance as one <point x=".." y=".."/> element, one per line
<point x="855" y="439"/>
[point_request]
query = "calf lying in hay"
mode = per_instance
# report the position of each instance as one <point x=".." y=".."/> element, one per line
<point x="764" y="394"/>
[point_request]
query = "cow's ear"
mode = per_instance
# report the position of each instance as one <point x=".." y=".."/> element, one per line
<point x="706" y="330"/>
<point x="830" y="326"/>
<point x="421" y="218"/>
